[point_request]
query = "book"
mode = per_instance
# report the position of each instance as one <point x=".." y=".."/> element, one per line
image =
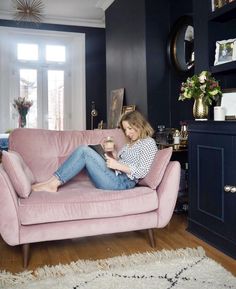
<point x="99" y="149"/>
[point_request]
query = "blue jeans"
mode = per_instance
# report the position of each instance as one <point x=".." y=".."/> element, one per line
<point x="101" y="176"/>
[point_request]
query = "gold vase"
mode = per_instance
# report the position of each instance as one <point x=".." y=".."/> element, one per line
<point x="200" y="109"/>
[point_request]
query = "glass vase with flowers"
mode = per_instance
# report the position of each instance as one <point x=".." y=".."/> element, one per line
<point x="204" y="89"/>
<point x="22" y="105"/>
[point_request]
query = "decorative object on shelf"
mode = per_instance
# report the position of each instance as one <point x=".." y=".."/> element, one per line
<point x="225" y="51"/>
<point x="102" y="125"/>
<point x="183" y="133"/>
<point x="176" y="139"/>
<point x="161" y="136"/>
<point x="219" y="113"/>
<point x="28" y="10"/>
<point x="203" y="88"/>
<point x="94" y="113"/>
<point x="22" y="105"/>
<point x="117" y="96"/>
<point x="200" y="109"/>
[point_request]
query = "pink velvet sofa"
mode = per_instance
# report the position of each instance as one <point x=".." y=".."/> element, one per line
<point x="79" y="209"/>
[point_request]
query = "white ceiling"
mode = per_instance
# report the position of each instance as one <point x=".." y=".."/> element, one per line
<point x="70" y="12"/>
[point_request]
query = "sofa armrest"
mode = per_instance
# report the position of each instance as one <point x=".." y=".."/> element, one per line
<point x="167" y="193"/>
<point x="9" y="222"/>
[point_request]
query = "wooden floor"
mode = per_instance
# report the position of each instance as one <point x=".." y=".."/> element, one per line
<point x="98" y="247"/>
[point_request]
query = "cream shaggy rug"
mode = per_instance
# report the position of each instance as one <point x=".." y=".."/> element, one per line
<point x="180" y="269"/>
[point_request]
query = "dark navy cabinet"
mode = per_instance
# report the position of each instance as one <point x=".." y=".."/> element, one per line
<point x="212" y="183"/>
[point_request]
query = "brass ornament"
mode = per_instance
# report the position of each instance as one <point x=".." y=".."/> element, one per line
<point x="28" y="10"/>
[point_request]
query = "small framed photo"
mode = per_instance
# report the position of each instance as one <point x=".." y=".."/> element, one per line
<point x="225" y="51"/>
<point x="128" y="108"/>
<point x="228" y="101"/>
<point x="215" y="4"/>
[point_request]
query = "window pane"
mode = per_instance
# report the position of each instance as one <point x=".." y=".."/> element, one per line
<point x="27" y="51"/>
<point x="55" y="53"/>
<point x="55" y="99"/>
<point x="28" y="89"/>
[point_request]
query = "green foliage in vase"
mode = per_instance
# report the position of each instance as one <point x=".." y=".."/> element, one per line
<point x="203" y="86"/>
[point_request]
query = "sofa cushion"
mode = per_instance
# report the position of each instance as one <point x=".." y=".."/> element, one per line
<point x="18" y="172"/>
<point x="75" y="201"/>
<point x="157" y="170"/>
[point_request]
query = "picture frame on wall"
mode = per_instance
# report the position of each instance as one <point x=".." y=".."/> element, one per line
<point x="128" y="108"/>
<point x="225" y="51"/>
<point x="117" y="97"/>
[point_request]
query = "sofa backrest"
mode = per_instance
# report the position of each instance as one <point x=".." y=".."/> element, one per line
<point x="44" y="150"/>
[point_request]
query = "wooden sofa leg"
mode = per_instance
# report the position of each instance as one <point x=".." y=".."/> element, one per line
<point x="151" y="238"/>
<point x="25" y="251"/>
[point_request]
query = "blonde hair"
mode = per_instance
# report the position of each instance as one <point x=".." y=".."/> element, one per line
<point x="137" y="121"/>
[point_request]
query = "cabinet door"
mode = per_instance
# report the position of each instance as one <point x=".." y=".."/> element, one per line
<point x="212" y="166"/>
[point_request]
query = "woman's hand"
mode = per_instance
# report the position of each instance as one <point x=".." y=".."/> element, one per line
<point x="115" y="165"/>
<point x="112" y="163"/>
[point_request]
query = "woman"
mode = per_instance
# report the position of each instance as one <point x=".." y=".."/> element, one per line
<point x="119" y="172"/>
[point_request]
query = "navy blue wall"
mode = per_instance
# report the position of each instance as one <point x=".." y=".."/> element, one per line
<point x="157" y="30"/>
<point x="95" y="62"/>
<point x="137" y="32"/>
<point x="126" y="56"/>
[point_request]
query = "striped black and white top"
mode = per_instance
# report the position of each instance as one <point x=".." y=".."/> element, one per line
<point x="138" y="157"/>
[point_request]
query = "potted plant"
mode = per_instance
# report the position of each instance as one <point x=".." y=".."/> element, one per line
<point x="203" y="88"/>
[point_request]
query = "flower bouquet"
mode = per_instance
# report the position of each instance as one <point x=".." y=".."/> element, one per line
<point x="203" y="86"/>
<point x="22" y="105"/>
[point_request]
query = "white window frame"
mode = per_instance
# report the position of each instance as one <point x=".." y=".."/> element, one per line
<point x="75" y="104"/>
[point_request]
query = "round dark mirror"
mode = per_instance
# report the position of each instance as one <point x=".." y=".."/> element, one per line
<point x="181" y="45"/>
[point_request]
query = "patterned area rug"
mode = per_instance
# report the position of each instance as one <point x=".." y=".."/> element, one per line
<point x="180" y="269"/>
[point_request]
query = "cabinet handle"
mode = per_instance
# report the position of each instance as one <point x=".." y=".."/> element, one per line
<point x="227" y="188"/>
<point x="231" y="189"/>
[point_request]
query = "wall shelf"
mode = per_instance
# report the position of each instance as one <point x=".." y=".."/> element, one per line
<point x="225" y="67"/>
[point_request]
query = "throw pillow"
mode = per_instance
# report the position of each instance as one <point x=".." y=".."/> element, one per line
<point x="18" y="172"/>
<point x="157" y="170"/>
<point x="26" y="169"/>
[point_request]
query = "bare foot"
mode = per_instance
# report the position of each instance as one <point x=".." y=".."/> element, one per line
<point x="44" y="187"/>
<point x="34" y="186"/>
<point x="49" y="186"/>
